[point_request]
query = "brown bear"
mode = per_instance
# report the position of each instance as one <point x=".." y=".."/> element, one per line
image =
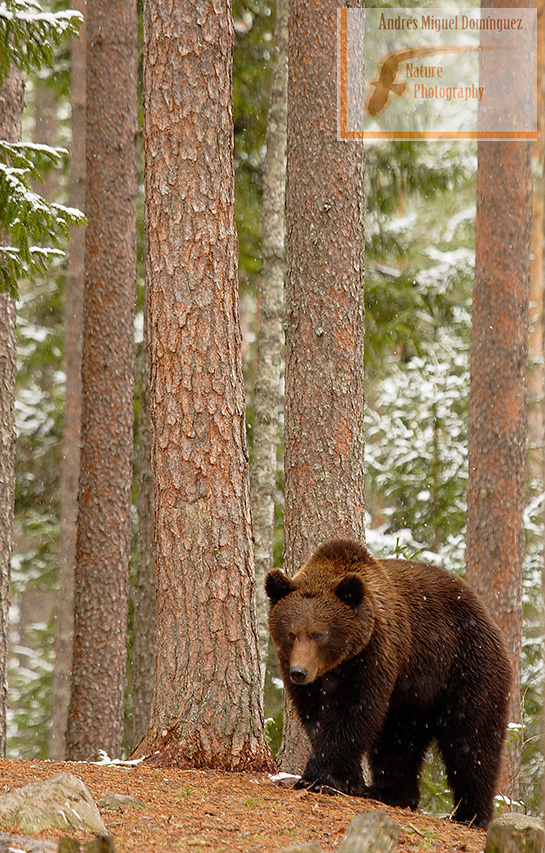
<point x="382" y="657"/>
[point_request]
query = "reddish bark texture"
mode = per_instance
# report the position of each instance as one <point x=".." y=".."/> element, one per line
<point x="537" y="276"/>
<point x="497" y="403"/>
<point x="104" y="524"/>
<point x="324" y="430"/>
<point x="206" y="708"/>
<point x="11" y="110"/>
<point x="536" y="372"/>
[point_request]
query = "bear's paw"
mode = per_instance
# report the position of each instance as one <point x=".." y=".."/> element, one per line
<point x="325" y="783"/>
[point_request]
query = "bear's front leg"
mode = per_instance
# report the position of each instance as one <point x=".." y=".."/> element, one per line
<point x="335" y="765"/>
<point x="341" y="726"/>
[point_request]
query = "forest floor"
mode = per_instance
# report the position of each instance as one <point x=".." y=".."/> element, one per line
<point x="188" y="810"/>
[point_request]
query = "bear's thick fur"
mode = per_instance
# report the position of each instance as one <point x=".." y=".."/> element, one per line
<point x="382" y="657"/>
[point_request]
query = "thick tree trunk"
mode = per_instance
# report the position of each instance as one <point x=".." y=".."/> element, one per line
<point x="69" y="473"/>
<point x="271" y="333"/>
<point x="324" y="430"/>
<point x="497" y="401"/>
<point x="104" y="521"/>
<point x="11" y="109"/>
<point x="207" y="700"/>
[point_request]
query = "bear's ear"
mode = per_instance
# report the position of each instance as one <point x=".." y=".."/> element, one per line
<point x="350" y="590"/>
<point x="277" y="585"/>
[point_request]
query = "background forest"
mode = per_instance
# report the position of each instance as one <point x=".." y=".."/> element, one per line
<point x="420" y="257"/>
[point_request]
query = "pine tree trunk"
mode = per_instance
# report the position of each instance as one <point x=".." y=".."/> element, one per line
<point x="144" y="604"/>
<point x="45" y="133"/>
<point x="324" y="431"/>
<point x="537" y="275"/>
<point x="271" y="333"/>
<point x="8" y="356"/>
<point x="11" y="109"/>
<point x="536" y="373"/>
<point x="104" y="501"/>
<point x="69" y="473"/>
<point x="207" y="700"/>
<point x="497" y="400"/>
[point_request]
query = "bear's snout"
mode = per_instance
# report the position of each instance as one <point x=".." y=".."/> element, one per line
<point x="304" y="661"/>
<point x="298" y="674"/>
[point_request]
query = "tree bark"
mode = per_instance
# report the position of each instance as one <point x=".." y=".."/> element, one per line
<point x="104" y="501"/>
<point x="497" y="400"/>
<point x="324" y="429"/>
<point x="270" y="338"/>
<point x="207" y="700"/>
<point x="69" y="473"/>
<point x="537" y="277"/>
<point x="11" y="109"/>
<point x="45" y="133"/>
<point x="536" y="372"/>
<point x="144" y="604"/>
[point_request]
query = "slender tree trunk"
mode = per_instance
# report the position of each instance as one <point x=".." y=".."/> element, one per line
<point x="104" y="521"/>
<point x="271" y="333"/>
<point x="536" y="373"/>
<point x="8" y="357"/>
<point x="497" y="400"/>
<point x="69" y="473"/>
<point x="324" y="430"/>
<point x="11" y="109"/>
<point x="537" y="274"/>
<point x="45" y="133"/>
<point x="207" y="700"/>
<point x="497" y="415"/>
<point x="144" y="604"/>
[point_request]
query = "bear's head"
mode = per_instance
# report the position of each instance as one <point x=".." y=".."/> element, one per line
<point x="318" y="622"/>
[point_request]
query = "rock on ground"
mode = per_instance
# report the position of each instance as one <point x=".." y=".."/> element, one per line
<point x="27" y="845"/>
<point x="60" y="802"/>
<point x="371" y="832"/>
<point x="118" y="802"/>
<point x="515" y="833"/>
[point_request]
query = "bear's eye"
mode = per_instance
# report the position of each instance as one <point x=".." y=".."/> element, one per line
<point x="318" y="637"/>
<point x="291" y="636"/>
